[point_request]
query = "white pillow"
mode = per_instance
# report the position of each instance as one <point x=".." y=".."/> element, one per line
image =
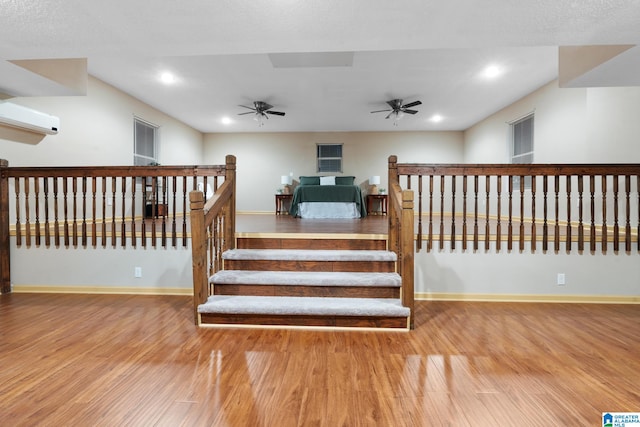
<point x="327" y="180"/>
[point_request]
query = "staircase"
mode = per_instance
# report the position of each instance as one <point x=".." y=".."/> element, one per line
<point x="307" y="282"/>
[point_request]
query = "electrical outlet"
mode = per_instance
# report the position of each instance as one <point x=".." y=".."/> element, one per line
<point x="561" y="280"/>
<point x="137" y="272"/>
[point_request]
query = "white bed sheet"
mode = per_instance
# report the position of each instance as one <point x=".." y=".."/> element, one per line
<point x="320" y="210"/>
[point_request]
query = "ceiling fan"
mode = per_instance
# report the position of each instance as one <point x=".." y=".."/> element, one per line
<point x="261" y="110"/>
<point x="398" y="109"/>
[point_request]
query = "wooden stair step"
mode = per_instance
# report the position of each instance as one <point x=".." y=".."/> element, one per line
<point x="309" y="255"/>
<point x="303" y="311"/>
<point x="306" y="278"/>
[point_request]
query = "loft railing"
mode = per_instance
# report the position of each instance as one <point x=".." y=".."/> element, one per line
<point x="212" y="232"/>
<point x="548" y="208"/>
<point x="116" y="206"/>
<point x="400" y="215"/>
<point x="552" y="207"/>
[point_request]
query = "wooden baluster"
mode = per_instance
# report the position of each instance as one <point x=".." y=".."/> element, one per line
<point x="94" y="204"/>
<point x="164" y="213"/>
<point x="534" y="236"/>
<point x="123" y="210"/>
<point x="56" y="223"/>
<point x="184" y="211"/>
<point x="545" y="226"/>
<point x="36" y="191"/>
<point x="441" y="212"/>
<point x="464" y="212"/>
<point x="521" y="238"/>
<point x="143" y="226"/>
<point x="104" y="211"/>
<point x="74" y="186"/>
<point x="134" y="230"/>
<point x="475" y="213"/>
<point x="430" y="243"/>
<point x="113" y="211"/>
<point x="569" y="234"/>
<point x="65" y="201"/>
<point x="453" y="212"/>
<point x="154" y="211"/>
<point x="627" y="227"/>
<point x="47" y="226"/>
<point x="510" y="224"/>
<point x="604" y="239"/>
<point x="408" y="182"/>
<point x="18" y="225"/>
<point x="84" y="211"/>
<point x="499" y="209"/>
<point x="592" y="231"/>
<point x="174" y="237"/>
<point x="616" y="225"/>
<point x="638" y="229"/>
<point x="580" y="209"/>
<point x="27" y="223"/>
<point x="487" y="227"/>
<point x="556" y="228"/>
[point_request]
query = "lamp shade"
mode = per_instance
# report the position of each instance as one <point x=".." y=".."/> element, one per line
<point x="374" y="180"/>
<point x="286" y="180"/>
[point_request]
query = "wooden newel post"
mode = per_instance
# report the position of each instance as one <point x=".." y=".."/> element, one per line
<point x="198" y="251"/>
<point x="230" y="223"/>
<point x="5" y="260"/>
<point x="407" y="251"/>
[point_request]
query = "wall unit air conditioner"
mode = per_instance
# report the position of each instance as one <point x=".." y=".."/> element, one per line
<point x="20" y="117"/>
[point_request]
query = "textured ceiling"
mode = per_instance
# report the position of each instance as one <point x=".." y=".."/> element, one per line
<point x="219" y="51"/>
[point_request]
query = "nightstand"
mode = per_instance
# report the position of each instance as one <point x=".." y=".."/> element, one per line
<point x="283" y="200"/>
<point x="382" y="201"/>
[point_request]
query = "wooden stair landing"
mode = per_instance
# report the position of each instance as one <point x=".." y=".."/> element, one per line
<point x="353" y="285"/>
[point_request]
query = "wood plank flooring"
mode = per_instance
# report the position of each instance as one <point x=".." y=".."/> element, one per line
<point x="118" y="360"/>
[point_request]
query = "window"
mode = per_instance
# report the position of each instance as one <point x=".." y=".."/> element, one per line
<point x="329" y="157"/>
<point x="145" y="147"/>
<point x="522" y="145"/>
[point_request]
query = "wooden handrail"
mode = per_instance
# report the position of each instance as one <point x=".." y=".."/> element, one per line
<point x="97" y="206"/>
<point x="573" y="206"/>
<point x="212" y="233"/>
<point x="401" y="235"/>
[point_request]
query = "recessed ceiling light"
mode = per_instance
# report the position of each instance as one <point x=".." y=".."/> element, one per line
<point x="167" y="78"/>
<point x="436" y="118"/>
<point x="492" y="71"/>
<point x="226" y="121"/>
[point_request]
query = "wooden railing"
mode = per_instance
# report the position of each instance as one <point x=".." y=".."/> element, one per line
<point x="212" y="233"/>
<point x="401" y="234"/>
<point x="549" y="207"/>
<point x="97" y="206"/>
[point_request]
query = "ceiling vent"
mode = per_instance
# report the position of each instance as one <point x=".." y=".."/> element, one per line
<point x="20" y="117"/>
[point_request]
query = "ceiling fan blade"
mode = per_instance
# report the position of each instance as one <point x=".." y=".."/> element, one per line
<point x="276" y="113"/>
<point x="409" y="111"/>
<point x="390" y="114"/>
<point x="248" y="112"/>
<point x="250" y="108"/>
<point x="412" y="104"/>
<point x="380" y="111"/>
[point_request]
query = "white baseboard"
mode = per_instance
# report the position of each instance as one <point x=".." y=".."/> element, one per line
<point x="100" y="290"/>
<point x="593" y="299"/>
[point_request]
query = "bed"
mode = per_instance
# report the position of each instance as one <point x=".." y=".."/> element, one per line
<point x="327" y="197"/>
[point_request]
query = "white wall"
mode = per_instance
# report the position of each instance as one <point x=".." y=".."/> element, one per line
<point x="262" y="158"/>
<point x="97" y="129"/>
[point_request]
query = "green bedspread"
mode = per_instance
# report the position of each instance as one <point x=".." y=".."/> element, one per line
<point x="328" y="193"/>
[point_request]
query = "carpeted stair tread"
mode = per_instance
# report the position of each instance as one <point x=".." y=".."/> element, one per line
<point x="300" y="306"/>
<point x="308" y="255"/>
<point x="306" y="278"/>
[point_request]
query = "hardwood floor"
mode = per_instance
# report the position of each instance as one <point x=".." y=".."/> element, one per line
<point x="115" y="360"/>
